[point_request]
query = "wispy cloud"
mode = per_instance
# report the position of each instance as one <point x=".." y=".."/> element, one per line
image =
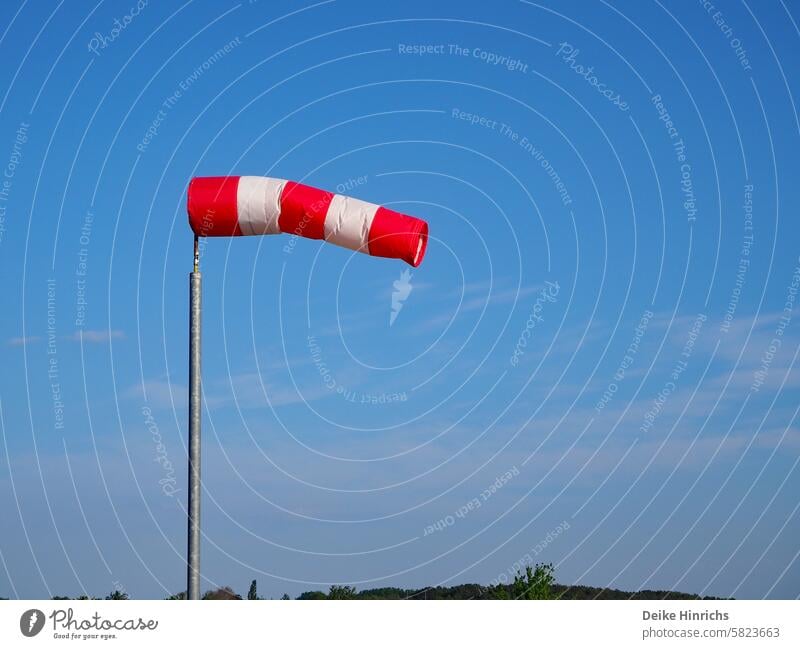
<point x="244" y="390"/>
<point x="97" y="335"/>
<point x="159" y="393"/>
<point x="475" y="296"/>
<point x="251" y="390"/>
<point x="21" y="341"/>
<point x="88" y="335"/>
<point x="505" y="296"/>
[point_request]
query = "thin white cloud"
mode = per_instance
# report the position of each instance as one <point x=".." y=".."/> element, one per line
<point x="245" y="390"/>
<point x="97" y="335"/>
<point x="505" y="296"/>
<point x="159" y="393"/>
<point x="21" y="341"/>
<point x="250" y="390"/>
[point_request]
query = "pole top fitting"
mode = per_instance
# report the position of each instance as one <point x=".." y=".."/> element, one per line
<point x="196" y="254"/>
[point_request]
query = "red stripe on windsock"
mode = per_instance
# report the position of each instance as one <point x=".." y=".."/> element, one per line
<point x="398" y="236"/>
<point x="212" y="206"/>
<point x="303" y="210"/>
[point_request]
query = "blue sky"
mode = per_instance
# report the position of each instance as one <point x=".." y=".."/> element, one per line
<point x="594" y="367"/>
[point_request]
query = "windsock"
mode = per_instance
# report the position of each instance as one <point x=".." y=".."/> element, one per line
<point x="232" y="206"/>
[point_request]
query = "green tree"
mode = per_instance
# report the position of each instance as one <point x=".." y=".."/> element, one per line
<point x="226" y="592"/>
<point x="253" y="592"/>
<point x="534" y="583"/>
<point x="117" y="594"/>
<point x="313" y="594"/>
<point x="342" y="592"/>
<point x="286" y="596"/>
<point x="500" y="591"/>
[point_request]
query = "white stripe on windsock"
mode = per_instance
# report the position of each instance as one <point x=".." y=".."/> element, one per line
<point x="348" y="221"/>
<point x="258" y="204"/>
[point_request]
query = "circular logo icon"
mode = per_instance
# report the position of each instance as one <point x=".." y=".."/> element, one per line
<point x="31" y="622"/>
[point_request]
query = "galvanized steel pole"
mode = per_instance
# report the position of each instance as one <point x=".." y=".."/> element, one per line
<point x="195" y="405"/>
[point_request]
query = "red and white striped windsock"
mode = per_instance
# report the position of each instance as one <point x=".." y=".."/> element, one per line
<point x="224" y="206"/>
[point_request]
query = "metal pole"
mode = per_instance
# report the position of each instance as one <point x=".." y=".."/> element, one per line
<point x="193" y="567"/>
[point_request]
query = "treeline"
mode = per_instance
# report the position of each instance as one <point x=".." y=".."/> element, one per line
<point x="536" y="582"/>
<point x="477" y="591"/>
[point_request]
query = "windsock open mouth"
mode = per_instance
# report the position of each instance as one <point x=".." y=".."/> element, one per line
<point x="226" y="206"/>
<point x="399" y="236"/>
